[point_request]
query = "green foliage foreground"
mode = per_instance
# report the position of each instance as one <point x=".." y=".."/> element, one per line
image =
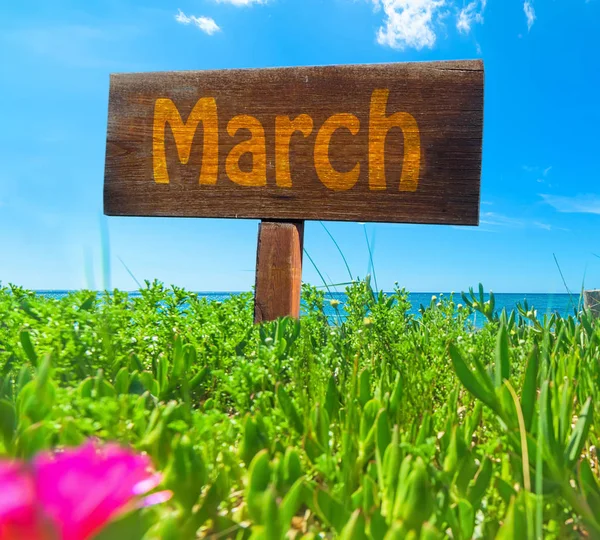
<point x="385" y="425"/>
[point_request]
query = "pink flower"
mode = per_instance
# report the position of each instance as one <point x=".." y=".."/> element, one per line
<point x="18" y="516"/>
<point x="73" y="493"/>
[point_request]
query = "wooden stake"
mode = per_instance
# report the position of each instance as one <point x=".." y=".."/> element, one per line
<point x="278" y="270"/>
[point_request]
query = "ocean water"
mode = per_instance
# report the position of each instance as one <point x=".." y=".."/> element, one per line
<point x="563" y="304"/>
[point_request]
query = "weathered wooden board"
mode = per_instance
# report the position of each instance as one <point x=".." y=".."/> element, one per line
<point x="388" y="143"/>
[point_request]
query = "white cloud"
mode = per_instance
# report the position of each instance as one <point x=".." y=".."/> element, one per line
<point x="206" y="24"/>
<point x="578" y="204"/>
<point x="529" y="13"/>
<point x="242" y="2"/>
<point x="470" y="14"/>
<point x="495" y="219"/>
<point x="545" y="172"/>
<point x="409" y="23"/>
<point x="415" y="23"/>
<point x="542" y="173"/>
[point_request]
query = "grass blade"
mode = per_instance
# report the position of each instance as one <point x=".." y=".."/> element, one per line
<point x="372" y="266"/>
<point x="563" y="280"/>
<point x="529" y="390"/>
<point x="338" y="248"/>
<point x="502" y="357"/>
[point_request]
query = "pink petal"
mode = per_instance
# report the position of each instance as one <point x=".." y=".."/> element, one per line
<point x="19" y="516"/>
<point x="156" y="498"/>
<point x="17" y="493"/>
<point x="148" y="484"/>
<point x="84" y="488"/>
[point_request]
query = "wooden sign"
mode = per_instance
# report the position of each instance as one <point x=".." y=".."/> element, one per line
<point x="388" y="143"/>
<point x="393" y="142"/>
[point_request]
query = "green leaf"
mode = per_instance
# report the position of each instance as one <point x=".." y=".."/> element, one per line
<point x="370" y="494"/>
<point x="466" y="518"/>
<point x="88" y="303"/>
<point x="397" y="531"/>
<point x="590" y="487"/>
<point x="199" y="378"/>
<point x="208" y="508"/>
<point x="469" y="380"/>
<point x="292" y="466"/>
<point x="392" y="459"/>
<point x="292" y="502"/>
<point x="330" y="510"/>
<point x="86" y="388"/>
<point x="424" y="429"/>
<point x="529" y="390"/>
<point x="456" y="451"/>
<point x="122" y="381"/>
<point x="70" y="435"/>
<point x="472" y="422"/>
<point x="505" y="490"/>
<point x="162" y="375"/>
<point x="259" y="479"/>
<point x="383" y="435"/>
<point x="25" y="338"/>
<point x="580" y="433"/>
<point x="320" y="425"/>
<point x="355" y="528"/>
<point x="313" y="449"/>
<point x="130" y="526"/>
<point x="178" y="363"/>
<point x="24" y="377"/>
<point x="38" y="396"/>
<point x="33" y="439"/>
<point x="565" y="412"/>
<point x="515" y="521"/>
<point x="186" y="473"/>
<point x="502" y="357"/>
<point x="481" y="483"/>
<point x="8" y="422"/>
<point x="429" y="532"/>
<point x="271" y="516"/>
<point x="260" y="472"/>
<point x="149" y="382"/>
<point x="396" y="397"/>
<point x="377" y="528"/>
<point x="332" y="398"/>
<point x="289" y="409"/>
<point x="103" y="387"/>
<point x="364" y="387"/>
<point x="415" y="503"/>
<point x="552" y="451"/>
<point x="190" y="357"/>
<point x="253" y="441"/>
<point x="368" y="419"/>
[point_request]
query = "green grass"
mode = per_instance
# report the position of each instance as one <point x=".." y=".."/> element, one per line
<point x="384" y="425"/>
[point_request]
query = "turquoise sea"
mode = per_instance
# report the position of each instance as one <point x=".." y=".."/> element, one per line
<point x="564" y="304"/>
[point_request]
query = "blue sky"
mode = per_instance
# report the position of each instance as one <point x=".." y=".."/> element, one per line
<point x="540" y="176"/>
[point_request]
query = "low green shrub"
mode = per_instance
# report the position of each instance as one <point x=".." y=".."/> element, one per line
<point x="380" y="425"/>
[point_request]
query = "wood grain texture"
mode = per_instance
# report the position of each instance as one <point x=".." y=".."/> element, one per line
<point x="303" y="106"/>
<point x="278" y="270"/>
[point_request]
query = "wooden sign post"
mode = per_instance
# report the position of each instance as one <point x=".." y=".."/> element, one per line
<point x="397" y="143"/>
<point x="278" y="270"/>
